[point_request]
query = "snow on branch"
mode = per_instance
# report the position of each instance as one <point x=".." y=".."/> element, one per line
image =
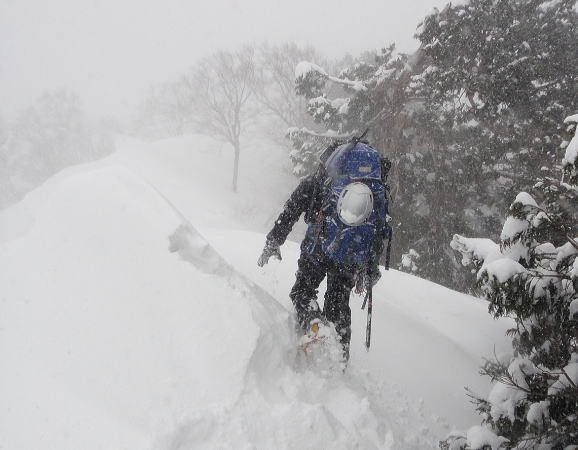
<point x="330" y="134"/>
<point x="571" y="155"/>
<point x="356" y="85"/>
<point x="571" y="119"/>
<point x="475" y="250"/>
<point x="306" y="70"/>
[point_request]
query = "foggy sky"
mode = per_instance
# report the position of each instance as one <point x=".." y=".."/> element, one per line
<point x="110" y="51"/>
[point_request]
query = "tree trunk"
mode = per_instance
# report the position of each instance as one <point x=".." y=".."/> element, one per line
<point x="237" y="147"/>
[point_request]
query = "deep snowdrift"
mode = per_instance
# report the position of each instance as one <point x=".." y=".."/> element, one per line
<point x="122" y="326"/>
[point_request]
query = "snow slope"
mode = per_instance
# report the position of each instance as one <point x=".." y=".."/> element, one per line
<point x="132" y="315"/>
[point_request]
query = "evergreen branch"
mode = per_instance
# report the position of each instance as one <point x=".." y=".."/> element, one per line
<point x="310" y="133"/>
<point x="571" y="240"/>
<point x="548" y="255"/>
<point x="509" y="381"/>
<point x="547" y="85"/>
<point x="507" y="174"/>
<point x="551" y="219"/>
<point x="548" y="374"/>
<point x="355" y="85"/>
<point x="562" y="184"/>
<point x="568" y="378"/>
<point x="546" y="275"/>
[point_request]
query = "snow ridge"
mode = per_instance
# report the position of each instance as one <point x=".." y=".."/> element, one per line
<point x="280" y="397"/>
<point x="126" y="322"/>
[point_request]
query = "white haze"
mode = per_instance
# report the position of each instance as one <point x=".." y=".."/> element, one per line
<point x="110" y="51"/>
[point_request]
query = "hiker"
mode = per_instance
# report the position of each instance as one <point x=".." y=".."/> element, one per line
<point x="345" y="206"/>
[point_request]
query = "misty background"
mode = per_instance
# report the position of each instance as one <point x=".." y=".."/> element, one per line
<point x="110" y="52"/>
<point x="466" y="100"/>
<point x="73" y="74"/>
<point x="132" y="307"/>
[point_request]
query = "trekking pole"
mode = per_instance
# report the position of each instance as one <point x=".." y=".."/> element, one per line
<point x="369" y="301"/>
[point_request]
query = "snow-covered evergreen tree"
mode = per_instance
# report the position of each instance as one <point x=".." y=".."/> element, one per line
<point x="532" y="276"/>
<point x="47" y="136"/>
<point x="468" y="121"/>
<point x="494" y="79"/>
<point x="369" y="93"/>
<point x="373" y="92"/>
<point x="497" y="77"/>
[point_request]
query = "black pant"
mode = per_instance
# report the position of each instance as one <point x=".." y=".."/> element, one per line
<point x="340" y="280"/>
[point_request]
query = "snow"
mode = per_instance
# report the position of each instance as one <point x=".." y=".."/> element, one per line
<point x="567" y="379"/>
<point x="341" y="105"/>
<point x="525" y="199"/>
<point x="514" y="227"/>
<point x="432" y="44"/>
<point x="318" y="104"/>
<point x="408" y="260"/>
<point x="504" y="398"/>
<point x="574" y="271"/>
<point x="538" y="413"/>
<point x="539" y="219"/>
<point x="519" y="369"/>
<point x="545" y="249"/>
<point x="305" y="67"/>
<point x="496" y="263"/>
<point x="479" y="249"/>
<point x="383" y="73"/>
<point x="512" y="238"/>
<point x="571" y="154"/>
<point x="573" y="309"/>
<point x="133" y="315"/>
<point x="356" y="85"/>
<point x="541" y="286"/>
<point x="80" y="335"/>
<point x="566" y="251"/>
<point x="548" y="4"/>
<point x="480" y="436"/>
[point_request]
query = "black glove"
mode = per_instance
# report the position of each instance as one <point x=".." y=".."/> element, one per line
<point x="367" y="278"/>
<point x="271" y="249"/>
<point x="373" y="274"/>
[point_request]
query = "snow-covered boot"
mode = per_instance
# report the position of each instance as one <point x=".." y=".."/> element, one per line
<point x="317" y="331"/>
<point x="321" y="349"/>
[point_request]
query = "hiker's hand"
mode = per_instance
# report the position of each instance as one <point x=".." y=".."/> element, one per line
<point x="271" y="249"/>
<point x="373" y="275"/>
<point x="362" y="282"/>
<point x="368" y="278"/>
<point x="360" y="285"/>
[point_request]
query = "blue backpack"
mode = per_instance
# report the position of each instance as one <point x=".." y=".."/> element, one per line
<point x="354" y="206"/>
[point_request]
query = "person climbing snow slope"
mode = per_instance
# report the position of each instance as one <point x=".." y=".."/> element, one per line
<point x="345" y="207"/>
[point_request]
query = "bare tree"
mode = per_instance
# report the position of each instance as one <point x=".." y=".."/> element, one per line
<point x="221" y="84"/>
<point x="274" y="87"/>
<point x="52" y="133"/>
<point x="165" y="111"/>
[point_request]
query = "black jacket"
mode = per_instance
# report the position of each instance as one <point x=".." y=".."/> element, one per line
<point x="307" y="198"/>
